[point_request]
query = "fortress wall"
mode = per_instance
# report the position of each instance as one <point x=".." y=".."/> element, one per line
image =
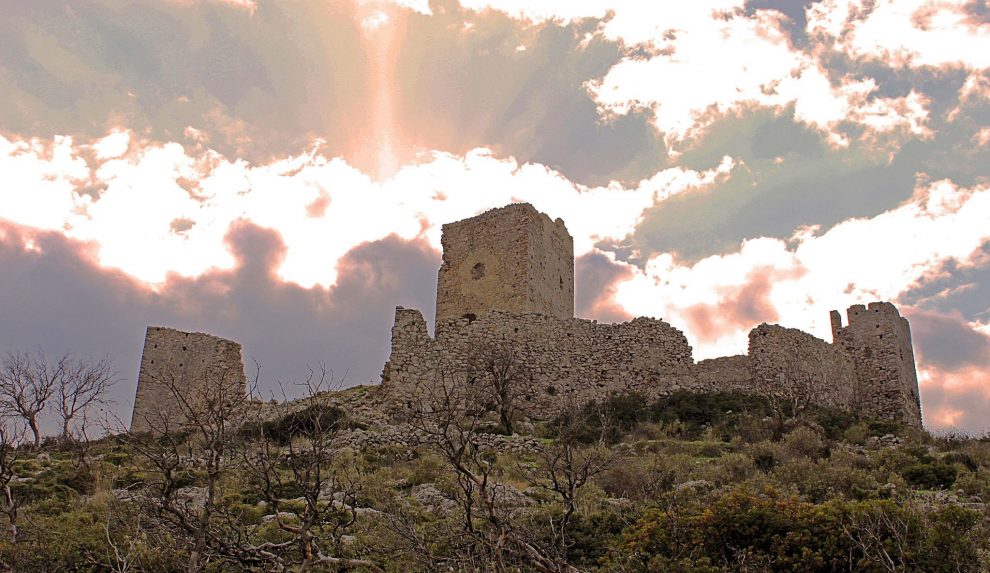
<point x="791" y="364"/>
<point x="186" y="361"/>
<point x="878" y="339"/>
<point x="567" y="361"/>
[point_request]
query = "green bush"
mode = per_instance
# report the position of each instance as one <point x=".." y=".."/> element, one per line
<point x="307" y="421"/>
<point x="763" y="531"/>
<point x="931" y="475"/>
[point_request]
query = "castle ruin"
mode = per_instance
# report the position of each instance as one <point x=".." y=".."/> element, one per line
<point x="507" y="281"/>
<point x="179" y="367"/>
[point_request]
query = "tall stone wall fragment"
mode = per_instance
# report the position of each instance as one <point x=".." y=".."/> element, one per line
<point x="878" y="339"/>
<point x="177" y="365"/>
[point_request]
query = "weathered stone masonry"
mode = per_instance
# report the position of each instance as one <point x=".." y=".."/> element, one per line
<point x="569" y="359"/>
<point x="878" y="339"/>
<point x="869" y="368"/>
<point x="189" y="362"/>
<point x="514" y="258"/>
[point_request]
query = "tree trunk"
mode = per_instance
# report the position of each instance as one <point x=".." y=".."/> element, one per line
<point x="33" y="423"/>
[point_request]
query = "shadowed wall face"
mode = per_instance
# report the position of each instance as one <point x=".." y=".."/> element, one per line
<point x="514" y="258"/>
<point x="179" y="369"/>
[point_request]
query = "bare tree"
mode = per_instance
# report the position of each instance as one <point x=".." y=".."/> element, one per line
<point x="10" y="438"/>
<point x="83" y="384"/>
<point x="295" y="457"/>
<point x="196" y="436"/>
<point x="500" y="374"/>
<point x="564" y="466"/>
<point x="449" y="419"/>
<point x="26" y="384"/>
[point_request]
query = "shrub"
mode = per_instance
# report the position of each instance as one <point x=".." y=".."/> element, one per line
<point x="313" y="418"/>
<point x="763" y="531"/>
<point x="931" y="475"/>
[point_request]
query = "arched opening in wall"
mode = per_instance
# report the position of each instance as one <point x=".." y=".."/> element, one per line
<point x="478" y="271"/>
<point x="561" y="283"/>
<point x="470" y="316"/>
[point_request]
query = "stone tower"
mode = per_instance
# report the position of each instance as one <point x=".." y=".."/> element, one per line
<point x="191" y="364"/>
<point x="513" y="258"/>
<point x="878" y="339"/>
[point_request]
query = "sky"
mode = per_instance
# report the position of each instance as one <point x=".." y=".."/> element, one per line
<point x="278" y="172"/>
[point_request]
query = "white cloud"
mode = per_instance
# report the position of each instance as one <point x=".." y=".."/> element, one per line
<point x="162" y="209"/>
<point x="40" y="181"/>
<point x="903" y="32"/>
<point x="858" y="260"/>
<point x="707" y="58"/>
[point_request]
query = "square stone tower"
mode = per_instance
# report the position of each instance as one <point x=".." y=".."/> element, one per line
<point x="187" y="366"/>
<point x="513" y="258"/>
<point x="878" y="339"/>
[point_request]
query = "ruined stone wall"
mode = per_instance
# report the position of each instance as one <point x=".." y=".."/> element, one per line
<point x="724" y="374"/>
<point x="514" y="258"/>
<point x="187" y="362"/>
<point x="568" y="361"/>
<point x="791" y="364"/>
<point x="878" y="339"/>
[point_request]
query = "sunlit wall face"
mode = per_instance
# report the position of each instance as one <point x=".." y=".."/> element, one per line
<point x="278" y="172"/>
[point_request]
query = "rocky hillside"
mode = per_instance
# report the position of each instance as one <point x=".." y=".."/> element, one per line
<point x="690" y="483"/>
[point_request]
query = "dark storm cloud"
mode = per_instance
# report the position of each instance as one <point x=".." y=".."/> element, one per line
<point x="956" y="286"/>
<point x="595" y="277"/>
<point x="258" y="84"/>
<point x="947" y="341"/>
<point x="58" y="299"/>
<point x="797" y="20"/>
<point x="469" y="79"/>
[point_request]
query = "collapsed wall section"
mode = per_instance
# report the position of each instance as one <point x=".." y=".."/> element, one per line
<point x="514" y="258"/>
<point x="878" y="339"/>
<point x="788" y="364"/>
<point x="177" y="365"/>
<point x="566" y="361"/>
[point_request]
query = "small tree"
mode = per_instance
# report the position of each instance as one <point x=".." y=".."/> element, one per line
<point x="449" y="419"/>
<point x="26" y="384"/>
<point x="82" y="385"/>
<point x="500" y="374"/>
<point x="10" y="438"/>
<point x="197" y="437"/>
<point x="565" y="465"/>
<point x="307" y="467"/>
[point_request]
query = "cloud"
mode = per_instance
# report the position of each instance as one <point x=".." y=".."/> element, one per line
<point x="910" y="33"/>
<point x="57" y="297"/>
<point x="858" y="260"/>
<point x="165" y="208"/>
<point x="596" y="276"/>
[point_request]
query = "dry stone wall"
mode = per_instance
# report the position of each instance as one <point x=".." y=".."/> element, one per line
<point x="566" y="361"/>
<point x="724" y="374"/>
<point x="790" y="364"/>
<point x="514" y="258"/>
<point x="184" y="363"/>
